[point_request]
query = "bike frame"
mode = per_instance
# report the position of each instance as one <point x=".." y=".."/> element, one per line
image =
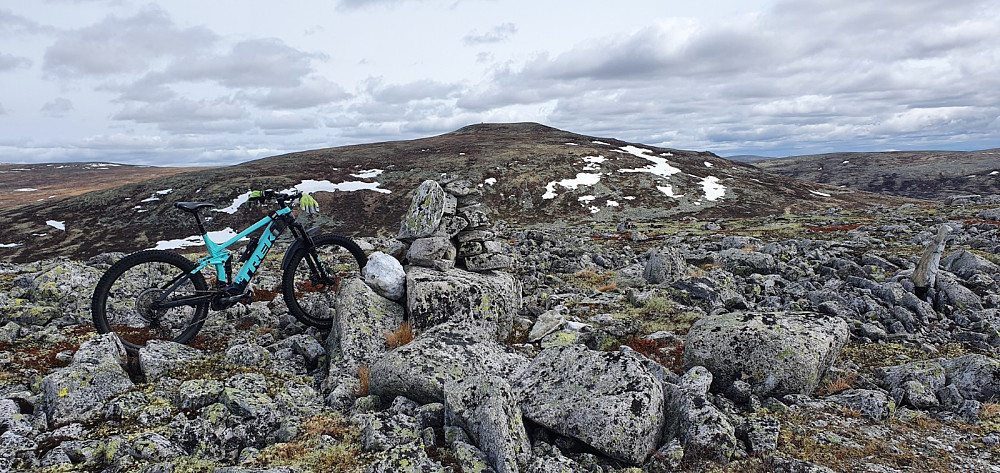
<point x="218" y="256"/>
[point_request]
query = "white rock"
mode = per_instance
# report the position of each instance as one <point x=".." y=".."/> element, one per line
<point x="385" y="275"/>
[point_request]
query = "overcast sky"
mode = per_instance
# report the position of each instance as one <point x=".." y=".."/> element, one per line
<point x="184" y="82"/>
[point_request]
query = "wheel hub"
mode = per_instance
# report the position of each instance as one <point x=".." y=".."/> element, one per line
<point x="145" y="304"/>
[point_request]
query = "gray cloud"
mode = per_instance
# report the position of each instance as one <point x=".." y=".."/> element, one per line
<point x="181" y="115"/>
<point x="9" y="62"/>
<point x="58" y="107"/>
<point x="2" y="110"/>
<point x="416" y="90"/>
<point x="250" y="63"/>
<point x="498" y="34"/>
<point x="358" y="4"/>
<point x="286" y="123"/>
<point x="12" y="24"/>
<point x="822" y="72"/>
<point x="123" y="45"/>
<point x="310" y="93"/>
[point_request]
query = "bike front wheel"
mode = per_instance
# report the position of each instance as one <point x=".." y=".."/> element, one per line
<point x="312" y="278"/>
<point x="127" y="299"/>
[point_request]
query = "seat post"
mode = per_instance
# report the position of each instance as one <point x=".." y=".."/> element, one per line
<point x="201" y="226"/>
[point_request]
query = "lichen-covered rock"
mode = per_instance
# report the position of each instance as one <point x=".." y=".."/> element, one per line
<point x="447" y="352"/>
<point x="152" y="446"/>
<point x="159" y="357"/>
<point x="664" y="265"/>
<point x="424" y="214"/>
<point x="409" y="458"/>
<point x="386" y="275"/>
<point x="977" y="377"/>
<point x="872" y="404"/>
<point x="488" y="262"/>
<point x="914" y="383"/>
<point x="248" y="355"/>
<point x="952" y="295"/>
<point x="777" y="353"/>
<point x="487" y="408"/>
<point x="470" y="459"/>
<point x="742" y="262"/>
<point x="358" y="335"/>
<point x="386" y="430"/>
<point x="429" y="250"/>
<point x="198" y="393"/>
<point x="433" y="297"/>
<point x="965" y="264"/>
<point x="77" y="393"/>
<point x="705" y="432"/>
<point x="70" y="284"/>
<point x="608" y="400"/>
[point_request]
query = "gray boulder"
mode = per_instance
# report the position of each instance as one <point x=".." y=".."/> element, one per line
<point x="965" y="264"/>
<point x="433" y="297"/>
<point x="951" y="293"/>
<point x="77" y="393"/>
<point x="738" y="261"/>
<point x="872" y="404"/>
<point x="420" y="369"/>
<point x="358" y="335"/>
<point x="385" y="274"/>
<point x="424" y="215"/>
<point x="703" y="430"/>
<point x="159" y="357"/>
<point x="607" y="400"/>
<point x="914" y="383"/>
<point x="665" y="264"/>
<point x="977" y="377"/>
<point x="486" y="407"/>
<point x="409" y="458"/>
<point x="429" y="251"/>
<point x="777" y="353"/>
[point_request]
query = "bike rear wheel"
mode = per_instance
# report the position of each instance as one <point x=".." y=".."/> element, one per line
<point x="310" y="291"/>
<point x="124" y="301"/>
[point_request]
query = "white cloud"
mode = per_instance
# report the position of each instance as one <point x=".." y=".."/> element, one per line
<point x="497" y="34"/>
<point x="58" y="107"/>
<point x="250" y="63"/>
<point x="9" y="62"/>
<point x="121" y="45"/>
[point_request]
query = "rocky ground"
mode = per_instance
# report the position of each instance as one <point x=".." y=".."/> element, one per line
<point x="785" y="343"/>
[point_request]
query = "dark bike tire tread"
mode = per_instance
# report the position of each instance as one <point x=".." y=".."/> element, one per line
<point x="101" y="292"/>
<point x="288" y="277"/>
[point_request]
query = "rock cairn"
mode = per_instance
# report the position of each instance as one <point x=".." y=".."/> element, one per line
<point x="446" y="225"/>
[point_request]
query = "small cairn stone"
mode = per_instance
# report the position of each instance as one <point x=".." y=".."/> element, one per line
<point x="446" y="227"/>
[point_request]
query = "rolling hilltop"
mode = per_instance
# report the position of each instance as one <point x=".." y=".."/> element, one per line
<point x="933" y="175"/>
<point x="529" y="174"/>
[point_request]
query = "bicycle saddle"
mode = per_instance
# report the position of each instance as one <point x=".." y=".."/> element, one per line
<point x="192" y="206"/>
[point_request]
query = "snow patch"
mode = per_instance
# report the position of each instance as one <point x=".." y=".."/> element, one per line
<point x="629" y="197"/>
<point x="600" y="143"/>
<point x="151" y="199"/>
<point x="490" y="180"/>
<point x="660" y="167"/>
<point x="196" y="240"/>
<point x="57" y="224"/>
<point x="824" y="194"/>
<point x="708" y="164"/>
<point x="594" y="209"/>
<point x="165" y="191"/>
<point x="26" y="189"/>
<point x="310" y="185"/>
<point x="368" y="174"/>
<point x="845" y="161"/>
<point x="713" y="189"/>
<point x="667" y="189"/>
<point x="612" y="203"/>
<point x="571" y="144"/>
<point x="587" y="198"/>
<point x="9" y="245"/>
<point x="994" y="173"/>
<point x="582" y="179"/>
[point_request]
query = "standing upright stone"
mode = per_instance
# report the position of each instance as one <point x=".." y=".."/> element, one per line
<point x="425" y="212"/>
<point x="926" y="270"/>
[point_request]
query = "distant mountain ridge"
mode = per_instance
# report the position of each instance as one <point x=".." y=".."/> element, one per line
<point x="931" y="175"/>
<point x="528" y="173"/>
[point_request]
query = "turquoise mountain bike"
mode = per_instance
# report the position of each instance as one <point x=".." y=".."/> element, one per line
<point x="157" y="294"/>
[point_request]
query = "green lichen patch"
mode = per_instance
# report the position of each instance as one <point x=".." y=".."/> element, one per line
<point x="327" y="443"/>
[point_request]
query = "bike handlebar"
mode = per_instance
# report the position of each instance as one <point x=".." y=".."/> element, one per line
<point x="279" y="197"/>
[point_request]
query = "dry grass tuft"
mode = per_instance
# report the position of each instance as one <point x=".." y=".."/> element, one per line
<point x="363" y="387"/>
<point x="607" y="287"/>
<point x="400" y="337"/>
<point x="840" y="383"/>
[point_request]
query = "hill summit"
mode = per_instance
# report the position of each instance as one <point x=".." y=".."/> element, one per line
<point x="527" y="172"/>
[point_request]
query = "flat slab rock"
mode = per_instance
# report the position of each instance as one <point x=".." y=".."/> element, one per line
<point x="778" y="353"/>
<point x="608" y="400"/>
<point x="434" y="297"/>
<point x="420" y="369"/>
